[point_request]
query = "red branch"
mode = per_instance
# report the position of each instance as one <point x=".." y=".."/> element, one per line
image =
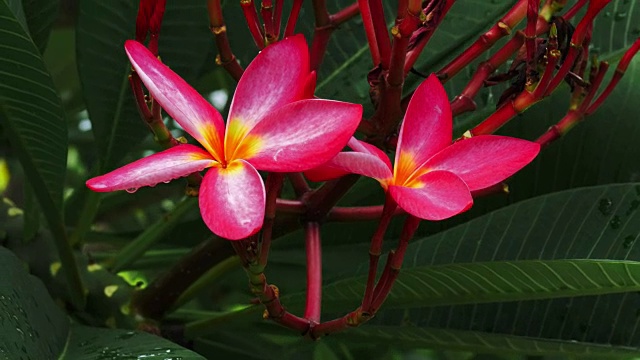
<point x="314" y="272"/>
<point x="251" y="16"/>
<point x="225" y="56"/>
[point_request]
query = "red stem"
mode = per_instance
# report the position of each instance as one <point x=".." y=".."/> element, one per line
<point x="380" y="29"/>
<point x="273" y="187"/>
<point x="395" y="263"/>
<point x="358" y="213"/>
<point x="225" y="56"/>
<point x="300" y="186"/>
<point x="574" y="10"/>
<point x="530" y="34"/>
<point x="266" y="11"/>
<point x="414" y="53"/>
<point x="375" y="249"/>
<point x="464" y="102"/>
<point x="293" y="18"/>
<point x="314" y="272"/>
<point x="277" y="17"/>
<point x="581" y="32"/>
<point x="620" y="70"/>
<point x="369" y="30"/>
<point x="500" y="29"/>
<point x="251" y="16"/>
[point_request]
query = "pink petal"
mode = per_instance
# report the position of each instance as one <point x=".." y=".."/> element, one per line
<point x="351" y="163"/>
<point x="485" y="160"/>
<point x="185" y="105"/>
<point x="164" y="166"/>
<point x="426" y="128"/>
<point x="232" y="200"/>
<point x="437" y="196"/>
<point x="276" y="77"/>
<point x="363" y="147"/>
<point x="301" y="135"/>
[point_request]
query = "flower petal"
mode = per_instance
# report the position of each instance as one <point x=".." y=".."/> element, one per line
<point x="300" y="136"/>
<point x="164" y="166"/>
<point x="485" y="160"/>
<point x="351" y="163"/>
<point x="361" y="146"/>
<point x="276" y="77"/>
<point x="426" y="128"/>
<point x="232" y="200"/>
<point x="185" y="105"/>
<point x="440" y="195"/>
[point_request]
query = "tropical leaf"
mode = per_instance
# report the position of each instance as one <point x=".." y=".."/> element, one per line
<point x="414" y="337"/>
<point x="34" y="327"/>
<point x="496" y="281"/>
<point x="40" y="16"/>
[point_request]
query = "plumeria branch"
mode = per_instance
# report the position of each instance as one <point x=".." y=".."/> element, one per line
<point x="314" y="272"/>
<point x="225" y="56"/>
<point x="325" y="24"/>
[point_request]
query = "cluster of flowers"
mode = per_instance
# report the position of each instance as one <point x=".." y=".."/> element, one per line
<point x="276" y="125"/>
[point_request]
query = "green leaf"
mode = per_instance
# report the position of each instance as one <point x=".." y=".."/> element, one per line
<point x="32" y="325"/>
<point x="103" y="28"/>
<point x="40" y="16"/>
<point x="31" y="110"/>
<point x="483" y="282"/>
<point x="414" y="337"/>
<point x="95" y="343"/>
<point x="599" y="222"/>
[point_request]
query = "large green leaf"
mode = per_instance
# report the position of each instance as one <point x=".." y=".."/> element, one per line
<point x="32" y="326"/>
<point x="599" y="222"/>
<point x="33" y="120"/>
<point x="414" y="337"/>
<point x="103" y="27"/>
<point x="484" y="282"/>
<point x="32" y="115"/>
<point x="40" y="15"/>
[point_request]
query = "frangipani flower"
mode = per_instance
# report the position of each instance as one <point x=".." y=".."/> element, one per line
<point x="432" y="178"/>
<point x="273" y="125"/>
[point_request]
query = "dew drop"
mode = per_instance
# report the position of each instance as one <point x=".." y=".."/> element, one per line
<point x="620" y="15"/>
<point x="131" y="190"/>
<point x="605" y="206"/>
<point x="628" y="241"/>
<point x="615" y="222"/>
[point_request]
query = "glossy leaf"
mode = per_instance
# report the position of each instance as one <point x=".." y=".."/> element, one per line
<point x="412" y="337"/>
<point x="40" y="16"/>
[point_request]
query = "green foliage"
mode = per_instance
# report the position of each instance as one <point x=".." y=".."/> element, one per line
<point x="552" y="269"/>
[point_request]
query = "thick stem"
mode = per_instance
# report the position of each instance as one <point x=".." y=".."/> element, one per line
<point x="314" y="272"/>
<point x="160" y="296"/>
<point x="277" y="17"/>
<point x="325" y="24"/>
<point x="358" y="213"/>
<point x="322" y="200"/>
<point x="505" y="113"/>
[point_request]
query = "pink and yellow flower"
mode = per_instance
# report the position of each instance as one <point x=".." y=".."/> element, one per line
<point x="432" y="178"/>
<point x="274" y="125"/>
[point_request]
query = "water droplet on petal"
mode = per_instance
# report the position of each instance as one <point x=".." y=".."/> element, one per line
<point x="131" y="190"/>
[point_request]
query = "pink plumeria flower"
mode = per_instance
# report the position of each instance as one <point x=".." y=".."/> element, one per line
<point x="273" y="126"/>
<point x="432" y="178"/>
